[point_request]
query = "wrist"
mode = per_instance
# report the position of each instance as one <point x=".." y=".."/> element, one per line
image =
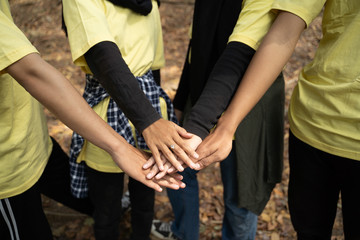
<point x="116" y="146"/>
<point x="225" y="128"/>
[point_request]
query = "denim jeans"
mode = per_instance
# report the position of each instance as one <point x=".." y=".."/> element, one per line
<point x="185" y="204"/>
<point x="238" y="223"/>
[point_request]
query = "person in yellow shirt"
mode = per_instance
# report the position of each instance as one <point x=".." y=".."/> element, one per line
<point x="324" y="114"/>
<point x="119" y="46"/>
<point x="25" y="145"/>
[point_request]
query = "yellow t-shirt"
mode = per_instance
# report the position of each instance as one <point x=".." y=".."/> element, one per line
<point x="138" y="37"/>
<point x="25" y="145"/>
<point x="325" y="105"/>
<point x="253" y="23"/>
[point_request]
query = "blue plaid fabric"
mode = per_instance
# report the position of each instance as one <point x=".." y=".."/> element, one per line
<point x="94" y="93"/>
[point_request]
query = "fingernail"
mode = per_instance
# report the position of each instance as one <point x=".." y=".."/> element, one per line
<point x="181" y="169"/>
<point x="149" y="176"/>
<point x="160" y="189"/>
<point x="196" y="155"/>
<point x="183" y="185"/>
<point x="197" y="166"/>
<point x="161" y="168"/>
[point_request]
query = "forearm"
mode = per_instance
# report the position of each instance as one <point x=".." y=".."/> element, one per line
<point x="219" y="88"/>
<point x="265" y="66"/>
<point x="56" y="93"/>
<point x="108" y="66"/>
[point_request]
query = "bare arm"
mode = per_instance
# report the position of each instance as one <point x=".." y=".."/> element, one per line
<point x="53" y="90"/>
<point x="265" y="66"/>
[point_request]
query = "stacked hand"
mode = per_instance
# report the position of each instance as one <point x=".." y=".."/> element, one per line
<point x="193" y="142"/>
<point x="215" y="148"/>
<point x="172" y="158"/>
<point x="166" y="139"/>
<point x="131" y="160"/>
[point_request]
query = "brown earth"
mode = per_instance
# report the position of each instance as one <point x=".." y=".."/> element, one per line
<point x="41" y="22"/>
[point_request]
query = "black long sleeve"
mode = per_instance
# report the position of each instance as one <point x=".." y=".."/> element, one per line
<point x="219" y="89"/>
<point x="183" y="90"/>
<point x="108" y="66"/>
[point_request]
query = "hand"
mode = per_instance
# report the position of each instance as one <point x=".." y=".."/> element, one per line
<point x="215" y="148"/>
<point x="169" y="169"/>
<point x="131" y="160"/>
<point x="163" y="134"/>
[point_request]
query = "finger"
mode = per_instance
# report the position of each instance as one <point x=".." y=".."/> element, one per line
<point x="160" y="175"/>
<point x="184" y="157"/>
<point x="168" y="184"/>
<point x="171" y="158"/>
<point x="185" y="148"/>
<point x="172" y="169"/>
<point x="182" y="132"/>
<point x="156" y="156"/>
<point x="167" y="166"/>
<point x="174" y="180"/>
<point x="153" y="185"/>
<point x="204" y="150"/>
<point x="169" y="181"/>
<point x="153" y="171"/>
<point x="149" y="163"/>
<point x="177" y="176"/>
<point x="206" y="161"/>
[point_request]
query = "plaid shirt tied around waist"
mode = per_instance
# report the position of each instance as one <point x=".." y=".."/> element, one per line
<point x="94" y="93"/>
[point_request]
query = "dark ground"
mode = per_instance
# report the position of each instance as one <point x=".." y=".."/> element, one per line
<point x="41" y="21"/>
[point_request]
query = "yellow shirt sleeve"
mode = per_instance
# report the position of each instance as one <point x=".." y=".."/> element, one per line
<point x="86" y="26"/>
<point x="305" y="9"/>
<point x="13" y="43"/>
<point x="253" y="23"/>
<point x="138" y="37"/>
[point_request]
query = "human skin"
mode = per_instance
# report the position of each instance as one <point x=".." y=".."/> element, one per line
<point x="57" y="94"/>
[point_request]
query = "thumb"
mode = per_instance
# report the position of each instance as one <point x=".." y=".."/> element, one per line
<point x="205" y="150"/>
<point x="204" y="162"/>
<point x="152" y="184"/>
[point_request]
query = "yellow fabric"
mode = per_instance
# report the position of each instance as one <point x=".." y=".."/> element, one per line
<point x="253" y="23"/>
<point x="138" y="37"/>
<point x="325" y="106"/>
<point x="97" y="158"/>
<point x="24" y="142"/>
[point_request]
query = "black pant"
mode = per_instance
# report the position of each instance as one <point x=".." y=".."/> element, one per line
<point x="22" y="215"/>
<point x="105" y="192"/>
<point x="316" y="180"/>
<point x="55" y="182"/>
